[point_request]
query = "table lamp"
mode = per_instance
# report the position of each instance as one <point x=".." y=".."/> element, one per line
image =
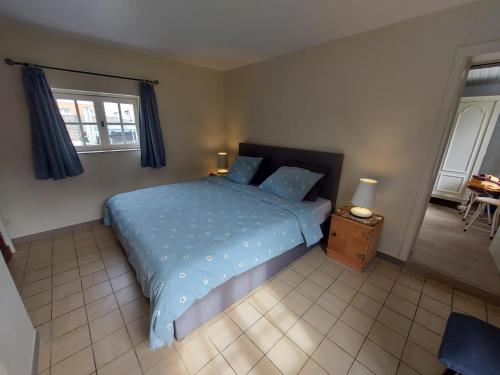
<point x="222" y="163"/>
<point x="364" y="198"/>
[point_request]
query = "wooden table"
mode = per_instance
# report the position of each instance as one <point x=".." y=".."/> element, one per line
<point x="484" y="186"/>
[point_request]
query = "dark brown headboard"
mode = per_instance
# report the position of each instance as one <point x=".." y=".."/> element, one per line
<point x="276" y="156"/>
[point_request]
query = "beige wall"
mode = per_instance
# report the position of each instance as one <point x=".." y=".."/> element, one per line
<point x="374" y="96"/>
<point x="191" y="106"/>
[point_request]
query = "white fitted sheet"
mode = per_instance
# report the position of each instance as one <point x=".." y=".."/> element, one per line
<point x="322" y="209"/>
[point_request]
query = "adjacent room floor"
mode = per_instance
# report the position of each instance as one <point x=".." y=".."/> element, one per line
<point x="316" y="317"/>
<point x="443" y="246"/>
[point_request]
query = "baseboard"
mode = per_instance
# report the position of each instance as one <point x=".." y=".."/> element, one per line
<point x="390" y="258"/>
<point x="53" y="232"/>
<point x="453" y="282"/>
<point x="443" y="278"/>
<point x="444" y="202"/>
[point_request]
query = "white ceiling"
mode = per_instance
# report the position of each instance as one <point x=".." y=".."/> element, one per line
<point x="219" y="34"/>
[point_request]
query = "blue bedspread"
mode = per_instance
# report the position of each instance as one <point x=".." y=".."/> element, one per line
<point x="185" y="239"/>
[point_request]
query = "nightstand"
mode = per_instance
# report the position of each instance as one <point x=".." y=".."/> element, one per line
<point x="352" y="240"/>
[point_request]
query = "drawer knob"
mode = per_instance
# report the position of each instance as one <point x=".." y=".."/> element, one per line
<point x="333" y="234"/>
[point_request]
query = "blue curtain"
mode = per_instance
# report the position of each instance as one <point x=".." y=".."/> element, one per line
<point x="151" y="139"/>
<point x="54" y="156"/>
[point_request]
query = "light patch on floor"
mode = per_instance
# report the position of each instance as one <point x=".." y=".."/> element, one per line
<point x="316" y="317"/>
<point x="443" y="246"/>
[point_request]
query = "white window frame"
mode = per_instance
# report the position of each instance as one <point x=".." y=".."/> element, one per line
<point x="98" y="98"/>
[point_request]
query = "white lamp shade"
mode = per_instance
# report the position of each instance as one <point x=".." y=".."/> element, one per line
<point x="365" y="193"/>
<point x="221" y="163"/>
<point x="222" y="160"/>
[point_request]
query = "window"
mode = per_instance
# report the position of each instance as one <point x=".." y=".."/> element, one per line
<point x="99" y="122"/>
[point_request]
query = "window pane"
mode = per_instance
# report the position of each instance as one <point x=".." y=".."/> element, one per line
<point x="91" y="135"/>
<point x="130" y="134"/>
<point x="67" y="109"/>
<point x="127" y="113"/>
<point x="87" y="111"/>
<point x="115" y="134"/>
<point x="112" y="114"/>
<point x="75" y="134"/>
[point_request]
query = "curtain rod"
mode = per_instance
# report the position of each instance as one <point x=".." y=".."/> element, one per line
<point x="12" y="62"/>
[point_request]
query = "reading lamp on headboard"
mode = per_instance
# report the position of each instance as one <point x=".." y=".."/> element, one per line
<point x="222" y="163"/>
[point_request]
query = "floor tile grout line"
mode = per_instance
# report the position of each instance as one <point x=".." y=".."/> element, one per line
<point x="365" y="337"/>
<point x="412" y="324"/>
<point x="69" y="295"/>
<point x="303" y="277"/>
<point x="69" y="311"/>
<point x="121" y="313"/>
<point x="54" y="318"/>
<point x="128" y="333"/>
<point x="326" y="337"/>
<point x="86" y="313"/>
<point x="243" y="332"/>
<point x="219" y="353"/>
<point x="408" y="336"/>
<point x="400" y="360"/>
<point x="78" y="351"/>
<point x="67" y="333"/>
<point x="283" y="334"/>
<point x="86" y="323"/>
<point x="336" y="320"/>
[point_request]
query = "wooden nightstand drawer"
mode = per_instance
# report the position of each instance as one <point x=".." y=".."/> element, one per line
<point x="353" y="243"/>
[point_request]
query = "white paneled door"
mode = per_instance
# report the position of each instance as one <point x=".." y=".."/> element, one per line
<point x="474" y="123"/>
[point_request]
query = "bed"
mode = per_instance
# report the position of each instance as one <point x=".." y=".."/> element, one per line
<point x="197" y="247"/>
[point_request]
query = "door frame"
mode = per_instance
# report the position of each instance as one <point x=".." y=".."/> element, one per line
<point x="465" y="57"/>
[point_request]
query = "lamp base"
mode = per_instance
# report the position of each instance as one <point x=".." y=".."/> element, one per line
<point x="361" y="212"/>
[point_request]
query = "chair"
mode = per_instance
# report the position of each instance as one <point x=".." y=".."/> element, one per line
<point x="473" y="195"/>
<point x="481" y="185"/>
<point x="470" y="346"/>
<point x="486" y="203"/>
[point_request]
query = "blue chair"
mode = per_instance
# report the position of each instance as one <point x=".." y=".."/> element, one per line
<point x="470" y="346"/>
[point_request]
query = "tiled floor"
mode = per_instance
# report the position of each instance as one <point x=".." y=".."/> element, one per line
<point x="444" y="247"/>
<point x="315" y="317"/>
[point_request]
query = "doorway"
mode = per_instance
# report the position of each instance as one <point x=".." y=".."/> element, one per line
<point x="471" y="150"/>
<point x="455" y="237"/>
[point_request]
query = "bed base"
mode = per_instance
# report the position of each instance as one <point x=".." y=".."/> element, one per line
<point x="223" y="296"/>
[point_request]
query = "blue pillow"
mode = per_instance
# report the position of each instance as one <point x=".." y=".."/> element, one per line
<point x="243" y="169"/>
<point x="291" y="183"/>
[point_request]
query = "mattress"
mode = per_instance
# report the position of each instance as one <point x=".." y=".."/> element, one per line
<point x="322" y="208"/>
<point x="183" y="240"/>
